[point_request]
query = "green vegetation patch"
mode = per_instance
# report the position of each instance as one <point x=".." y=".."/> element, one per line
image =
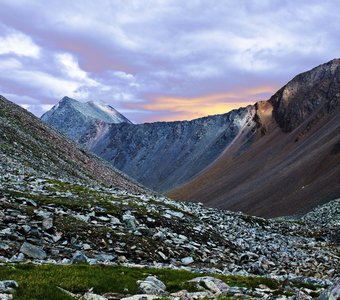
<point x="42" y="282"/>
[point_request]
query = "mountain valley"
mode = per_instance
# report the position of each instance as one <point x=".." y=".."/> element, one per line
<point x="61" y="206"/>
<point x="253" y="159"/>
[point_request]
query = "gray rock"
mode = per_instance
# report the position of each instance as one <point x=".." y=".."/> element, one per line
<point x="103" y="219"/>
<point x="6" y="231"/>
<point x="79" y="257"/>
<point x="130" y="221"/>
<point x="18" y="258"/>
<point x="152" y="286"/>
<point x="162" y="255"/>
<point x="156" y="281"/>
<point x="47" y="223"/>
<point x="33" y="251"/>
<point x="105" y="257"/>
<point x="159" y="236"/>
<point x="6" y="296"/>
<point x="212" y="284"/>
<point x="176" y="214"/>
<point x="301" y="296"/>
<point x="115" y="221"/>
<point x="332" y="293"/>
<point x="7" y="286"/>
<point x="185" y="295"/>
<point x="86" y="247"/>
<point x="233" y="290"/>
<point x="26" y="228"/>
<point x="141" y="297"/>
<point x="4" y="246"/>
<point x="43" y="214"/>
<point x="57" y="236"/>
<point x="187" y="260"/>
<point x="91" y="296"/>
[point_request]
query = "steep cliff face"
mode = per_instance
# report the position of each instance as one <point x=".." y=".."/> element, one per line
<point x="163" y="155"/>
<point x="294" y="162"/>
<point x="310" y="95"/>
<point x="82" y="122"/>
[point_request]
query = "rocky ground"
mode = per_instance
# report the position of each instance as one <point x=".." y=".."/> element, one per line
<point x="44" y="220"/>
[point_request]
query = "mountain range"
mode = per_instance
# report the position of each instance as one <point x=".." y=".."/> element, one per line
<point x="276" y="157"/>
<point x="61" y="205"/>
<point x="159" y="155"/>
<point x="293" y="163"/>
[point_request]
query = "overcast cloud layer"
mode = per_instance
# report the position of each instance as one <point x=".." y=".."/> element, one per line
<point x="160" y="60"/>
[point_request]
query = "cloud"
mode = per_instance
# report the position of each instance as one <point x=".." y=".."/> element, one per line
<point x="179" y="108"/>
<point x="18" y="43"/>
<point x="70" y="66"/>
<point x="161" y="60"/>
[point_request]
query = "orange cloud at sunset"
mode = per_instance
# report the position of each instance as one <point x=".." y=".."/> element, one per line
<point x="188" y="108"/>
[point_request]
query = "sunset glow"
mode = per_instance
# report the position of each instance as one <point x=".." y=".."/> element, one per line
<point x="184" y="108"/>
<point x="160" y="60"/>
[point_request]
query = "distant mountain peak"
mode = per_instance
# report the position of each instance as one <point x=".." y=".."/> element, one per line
<point x="75" y="119"/>
<point x="97" y="110"/>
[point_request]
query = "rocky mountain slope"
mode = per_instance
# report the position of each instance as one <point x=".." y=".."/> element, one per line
<point x="56" y="207"/>
<point x="293" y="163"/>
<point x="29" y="147"/>
<point x="277" y="157"/>
<point x="160" y="155"/>
<point x="163" y="155"/>
<point x="82" y="122"/>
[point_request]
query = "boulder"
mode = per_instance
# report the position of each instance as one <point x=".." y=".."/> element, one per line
<point x="33" y="251"/>
<point x="91" y="296"/>
<point x="79" y="257"/>
<point x="7" y="286"/>
<point x="6" y="296"/>
<point x="152" y="286"/>
<point x="130" y="221"/>
<point x="211" y="284"/>
<point x="187" y="260"/>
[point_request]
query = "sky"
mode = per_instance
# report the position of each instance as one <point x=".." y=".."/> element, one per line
<point x="161" y="60"/>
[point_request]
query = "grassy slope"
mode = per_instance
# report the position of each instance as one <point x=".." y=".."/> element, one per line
<point x="41" y="282"/>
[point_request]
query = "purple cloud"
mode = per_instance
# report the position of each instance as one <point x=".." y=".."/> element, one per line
<point x="136" y="55"/>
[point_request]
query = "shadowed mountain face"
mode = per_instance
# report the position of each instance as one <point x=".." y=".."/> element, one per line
<point x="294" y="162"/>
<point x="28" y="146"/>
<point x="276" y="157"/>
<point x="159" y="155"/>
<point x="165" y="154"/>
<point x="82" y="122"/>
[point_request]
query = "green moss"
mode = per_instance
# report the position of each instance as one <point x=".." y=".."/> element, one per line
<point x="62" y="186"/>
<point x="42" y="282"/>
<point x="250" y="282"/>
<point x="72" y="203"/>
